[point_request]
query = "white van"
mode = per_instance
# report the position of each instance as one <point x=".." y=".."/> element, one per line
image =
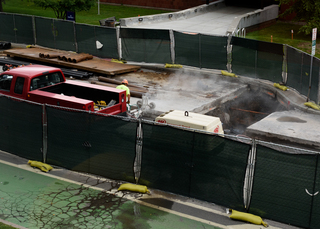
<point x="191" y="120"/>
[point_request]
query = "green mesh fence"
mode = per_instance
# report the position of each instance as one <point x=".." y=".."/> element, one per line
<point x="257" y="59"/>
<point x="315" y="219"/>
<point x="7" y="32"/>
<point x="187" y="49"/>
<point x="218" y="171"/>
<point x="91" y="143"/>
<point x="64" y="35"/>
<point x="45" y="32"/>
<point x="85" y="36"/>
<point x="314" y="92"/>
<point x="107" y="37"/>
<point x="145" y="45"/>
<point x="213" y="52"/>
<point x="113" y="147"/>
<point x="166" y="158"/>
<point x="24" y="29"/>
<point x="298" y="72"/>
<point x="280" y="184"/>
<point x="21" y="128"/>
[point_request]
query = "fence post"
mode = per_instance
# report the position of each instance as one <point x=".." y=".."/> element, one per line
<point x="313" y="191"/>
<point x="75" y="36"/>
<point x="172" y="45"/>
<point x="229" y="53"/>
<point x="200" y="65"/>
<point x="119" y="42"/>
<point x="285" y="65"/>
<point x="14" y="29"/>
<point x="248" y="180"/>
<point x="137" y="161"/>
<point x="34" y="30"/>
<point x="44" y="133"/>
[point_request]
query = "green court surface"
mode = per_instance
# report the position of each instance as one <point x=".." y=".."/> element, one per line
<point x="34" y="200"/>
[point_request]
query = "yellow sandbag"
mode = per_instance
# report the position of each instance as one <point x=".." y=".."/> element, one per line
<point x="173" y="66"/>
<point x="228" y="74"/>
<point x="247" y="217"/>
<point x="283" y="88"/>
<point x="44" y="167"/>
<point x="134" y="188"/>
<point x="117" y="61"/>
<point x="312" y="105"/>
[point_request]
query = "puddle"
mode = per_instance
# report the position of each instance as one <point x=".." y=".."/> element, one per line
<point x="290" y="119"/>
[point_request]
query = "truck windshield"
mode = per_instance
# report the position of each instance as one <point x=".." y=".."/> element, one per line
<point x="46" y="80"/>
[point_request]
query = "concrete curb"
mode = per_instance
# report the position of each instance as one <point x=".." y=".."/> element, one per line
<point x="253" y="18"/>
<point x="166" y="17"/>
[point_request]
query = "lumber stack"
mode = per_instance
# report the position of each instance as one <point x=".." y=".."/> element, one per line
<point x="135" y="91"/>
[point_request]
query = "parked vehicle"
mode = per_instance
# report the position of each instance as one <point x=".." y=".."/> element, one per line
<point x="48" y="85"/>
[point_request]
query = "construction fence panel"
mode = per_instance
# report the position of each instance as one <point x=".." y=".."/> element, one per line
<point x="213" y="52"/>
<point x="64" y="35"/>
<point x="7" y="32"/>
<point x="315" y="211"/>
<point x="45" y="32"/>
<point x="257" y="59"/>
<point x="218" y="170"/>
<point x="108" y="38"/>
<point x="68" y="139"/>
<point x="86" y="40"/>
<point x="298" y="73"/>
<point x="112" y="150"/>
<point x="145" y="45"/>
<point x="24" y="29"/>
<point x="294" y="68"/>
<point x="281" y="183"/>
<point x="91" y="143"/>
<point x="187" y="49"/>
<point x="315" y="78"/>
<point x="21" y="128"/>
<point x="166" y="158"/>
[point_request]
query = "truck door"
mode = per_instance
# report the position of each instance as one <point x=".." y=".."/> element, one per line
<point x="19" y="87"/>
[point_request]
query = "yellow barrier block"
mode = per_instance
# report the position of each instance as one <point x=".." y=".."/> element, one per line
<point x="44" y="167"/>
<point x="247" y="217"/>
<point x="312" y="105"/>
<point x="134" y="188"/>
<point x="283" y="88"/>
<point x="228" y="74"/>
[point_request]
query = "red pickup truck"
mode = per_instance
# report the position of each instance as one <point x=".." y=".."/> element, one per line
<point x="48" y="85"/>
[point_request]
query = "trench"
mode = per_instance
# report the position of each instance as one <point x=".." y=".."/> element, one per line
<point x="246" y="109"/>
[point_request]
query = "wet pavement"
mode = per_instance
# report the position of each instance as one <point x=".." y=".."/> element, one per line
<point x="30" y="198"/>
<point x="33" y="199"/>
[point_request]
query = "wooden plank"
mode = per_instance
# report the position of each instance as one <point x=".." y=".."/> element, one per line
<point x="96" y="65"/>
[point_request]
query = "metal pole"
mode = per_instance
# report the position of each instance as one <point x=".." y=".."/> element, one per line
<point x="44" y="133"/>
<point x="98" y="7"/>
<point x="310" y="78"/>
<point x="172" y="46"/>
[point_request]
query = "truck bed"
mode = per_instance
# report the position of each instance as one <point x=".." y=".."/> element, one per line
<point x="80" y="95"/>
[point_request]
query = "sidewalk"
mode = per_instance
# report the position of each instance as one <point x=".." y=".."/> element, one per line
<point x="65" y="199"/>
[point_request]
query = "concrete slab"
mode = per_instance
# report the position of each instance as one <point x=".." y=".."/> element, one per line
<point x="294" y="127"/>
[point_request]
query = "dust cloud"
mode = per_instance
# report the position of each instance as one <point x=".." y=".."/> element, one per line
<point x="186" y="90"/>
